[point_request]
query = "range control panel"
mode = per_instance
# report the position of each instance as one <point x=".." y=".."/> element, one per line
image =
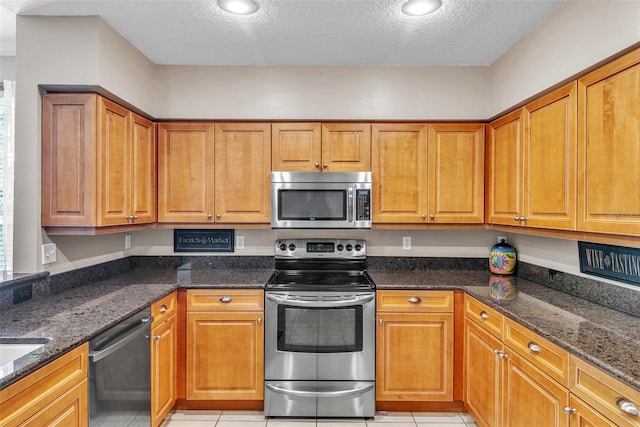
<point x="320" y="248"/>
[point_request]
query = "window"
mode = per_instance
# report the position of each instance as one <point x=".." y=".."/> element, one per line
<point x="7" y="135"/>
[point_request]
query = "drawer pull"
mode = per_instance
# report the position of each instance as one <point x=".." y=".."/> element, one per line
<point x="627" y="406"/>
<point x="226" y="298"/>
<point x="484" y="315"/>
<point x="157" y="337"/>
<point x="414" y="300"/>
<point x="568" y="410"/>
<point x="503" y="356"/>
<point x="163" y="309"/>
<point x="534" y="347"/>
<point x="259" y="320"/>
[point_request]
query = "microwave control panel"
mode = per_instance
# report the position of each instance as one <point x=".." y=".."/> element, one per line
<point x="363" y="205"/>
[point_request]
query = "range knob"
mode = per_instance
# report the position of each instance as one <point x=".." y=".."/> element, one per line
<point x="349" y="247"/>
<point x="292" y="247"/>
<point x="283" y="247"/>
<point x="358" y="247"/>
<point x="340" y="247"/>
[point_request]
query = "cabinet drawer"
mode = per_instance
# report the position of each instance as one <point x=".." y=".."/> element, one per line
<point x="418" y="301"/>
<point x="225" y="300"/>
<point x="484" y="316"/>
<point x="603" y="392"/>
<point x="547" y="356"/>
<point x="24" y="398"/>
<point x="163" y="309"/>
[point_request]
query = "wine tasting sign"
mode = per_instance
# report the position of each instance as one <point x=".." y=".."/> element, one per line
<point x="613" y="262"/>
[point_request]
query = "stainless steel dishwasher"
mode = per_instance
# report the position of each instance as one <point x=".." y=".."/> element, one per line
<point x="120" y="374"/>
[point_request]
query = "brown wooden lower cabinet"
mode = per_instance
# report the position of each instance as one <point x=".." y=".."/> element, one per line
<point x="54" y="395"/>
<point x="225" y="348"/>
<point x="163" y="358"/>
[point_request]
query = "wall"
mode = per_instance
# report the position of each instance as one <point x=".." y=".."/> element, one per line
<point x="576" y="36"/>
<point x="7" y="67"/>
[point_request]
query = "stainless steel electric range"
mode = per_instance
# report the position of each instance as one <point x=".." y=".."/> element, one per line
<point x="320" y="330"/>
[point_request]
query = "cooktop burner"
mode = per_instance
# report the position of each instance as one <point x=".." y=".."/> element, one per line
<point x="320" y="265"/>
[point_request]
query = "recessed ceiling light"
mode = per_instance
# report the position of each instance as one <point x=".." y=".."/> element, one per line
<point x="420" y="7"/>
<point x="238" y="7"/>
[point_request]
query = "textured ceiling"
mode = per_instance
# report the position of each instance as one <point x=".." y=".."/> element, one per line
<point x="310" y="32"/>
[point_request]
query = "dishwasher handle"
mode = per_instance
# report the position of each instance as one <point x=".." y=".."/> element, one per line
<point x="121" y="340"/>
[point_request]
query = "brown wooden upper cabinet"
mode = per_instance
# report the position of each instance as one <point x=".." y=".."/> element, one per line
<point x="531" y="164"/>
<point x="609" y="147"/>
<point x="199" y="181"/>
<point x="98" y="163"/>
<point x="439" y="181"/>
<point x="331" y="147"/>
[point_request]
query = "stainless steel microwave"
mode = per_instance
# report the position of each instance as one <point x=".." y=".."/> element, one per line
<point x="321" y="199"/>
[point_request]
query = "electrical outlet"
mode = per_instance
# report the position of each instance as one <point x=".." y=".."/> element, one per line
<point x="406" y="243"/>
<point x="49" y="253"/>
<point x="239" y="242"/>
<point x="127" y="241"/>
<point x="501" y="238"/>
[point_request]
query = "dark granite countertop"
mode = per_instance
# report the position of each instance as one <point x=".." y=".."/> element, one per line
<point x="605" y="337"/>
<point x="76" y="315"/>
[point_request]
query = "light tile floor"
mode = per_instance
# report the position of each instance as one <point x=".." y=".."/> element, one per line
<point x="257" y="419"/>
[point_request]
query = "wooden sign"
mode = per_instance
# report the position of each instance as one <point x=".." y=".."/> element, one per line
<point x="203" y="240"/>
<point x="613" y="262"/>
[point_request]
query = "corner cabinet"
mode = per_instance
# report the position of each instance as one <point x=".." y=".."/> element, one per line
<point x="414" y="349"/>
<point x="225" y="344"/>
<point x="531" y="164"/>
<point x="202" y="181"/>
<point x="609" y="148"/>
<point x="330" y="147"/>
<point x="98" y="164"/>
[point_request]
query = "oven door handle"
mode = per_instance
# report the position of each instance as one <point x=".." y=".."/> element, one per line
<point x="337" y="393"/>
<point x="121" y="340"/>
<point x="282" y="299"/>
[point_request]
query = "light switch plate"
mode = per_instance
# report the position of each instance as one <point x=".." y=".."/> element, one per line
<point x="239" y="242"/>
<point x="127" y="241"/>
<point x="49" y="251"/>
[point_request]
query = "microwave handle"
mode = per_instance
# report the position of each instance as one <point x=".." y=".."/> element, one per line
<point x="350" y="204"/>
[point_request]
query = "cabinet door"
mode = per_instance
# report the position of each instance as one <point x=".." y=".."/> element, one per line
<point x="185" y="172"/>
<point x="550" y="160"/>
<point x="68" y="410"/>
<point x="456" y="173"/>
<point x="582" y="415"/>
<point x="399" y="165"/>
<point x="482" y="375"/>
<point x="296" y="147"/>
<point x="609" y="147"/>
<point x="346" y="147"/>
<point x="225" y="354"/>
<point x="530" y="397"/>
<point x="414" y="357"/>
<point x="142" y="200"/>
<point x="68" y="159"/>
<point x="163" y="370"/>
<point x="113" y="161"/>
<point x="243" y="172"/>
<point x="504" y="169"/>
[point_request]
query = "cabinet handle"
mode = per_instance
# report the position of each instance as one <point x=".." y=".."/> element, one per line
<point x="209" y="216"/>
<point x="414" y="300"/>
<point x="259" y="320"/>
<point x="317" y="165"/>
<point x="135" y="217"/>
<point x="432" y="216"/>
<point x="568" y="410"/>
<point x="497" y="352"/>
<point x="484" y="315"/>
<point x="163" y="309"/>
<point x="517" y="218"/>
<point x="534" y="347"/>
<point x="157" y="337"/>
<point x="523" y="218"/>
<point x="380" y="321"/>
<point x="424" y="216"/>
<point x="218" y="216"/>
<point x="226" y="298"/>
<point x="325" y="165"/>
<point x="503" y="356"/>
<point x="627" y="406"/>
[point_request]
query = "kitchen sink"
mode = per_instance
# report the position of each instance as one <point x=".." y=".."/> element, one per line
<point x="14" y="348"/>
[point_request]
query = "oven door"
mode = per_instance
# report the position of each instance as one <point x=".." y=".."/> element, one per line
<point x="318" y="336"/>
